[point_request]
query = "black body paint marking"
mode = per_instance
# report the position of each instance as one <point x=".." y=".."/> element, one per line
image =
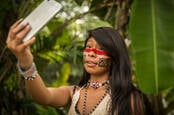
<point x="104" y="62"/>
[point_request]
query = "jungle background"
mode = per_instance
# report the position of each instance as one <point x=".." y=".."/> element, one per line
<point x="146" y="25"/>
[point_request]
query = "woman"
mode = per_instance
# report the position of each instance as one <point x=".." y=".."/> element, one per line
<point x="106" y="87"/>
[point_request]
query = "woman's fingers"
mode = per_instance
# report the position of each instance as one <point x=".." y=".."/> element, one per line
<point x="28" y="43"/>
<point x="17" y="32"/>
<point x="14" y="42"/>
<point x="13" y="31"/>
<point x="23" y="32"/>
<point x="16" y="23"/>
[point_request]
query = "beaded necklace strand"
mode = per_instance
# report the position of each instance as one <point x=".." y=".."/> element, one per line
<point x="94" y="85"/>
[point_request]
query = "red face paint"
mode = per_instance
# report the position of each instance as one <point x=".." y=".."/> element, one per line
<point x="96" y="51"/>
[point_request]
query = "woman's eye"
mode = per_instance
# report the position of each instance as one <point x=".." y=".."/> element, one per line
<point x="87" y="46"/>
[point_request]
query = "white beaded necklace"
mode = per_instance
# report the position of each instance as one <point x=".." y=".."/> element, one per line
<point x="96" y="84"/>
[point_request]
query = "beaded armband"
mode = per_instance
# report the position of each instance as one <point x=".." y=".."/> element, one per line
<point x="29" y="74"/>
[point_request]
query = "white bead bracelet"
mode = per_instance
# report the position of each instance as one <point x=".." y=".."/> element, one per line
<point x="29" y="74"/>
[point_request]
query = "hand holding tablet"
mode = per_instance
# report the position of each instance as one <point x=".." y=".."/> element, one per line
<point x="40" y="16"/>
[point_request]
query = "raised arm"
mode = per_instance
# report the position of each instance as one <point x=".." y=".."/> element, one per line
<point x="49" y="96"/>
<point x="56" y="97"/>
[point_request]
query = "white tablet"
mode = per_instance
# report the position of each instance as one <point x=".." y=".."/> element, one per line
<point x="40" y="16"/>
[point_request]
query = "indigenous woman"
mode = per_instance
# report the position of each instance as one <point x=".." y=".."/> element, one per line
<point x="106" y="86"/>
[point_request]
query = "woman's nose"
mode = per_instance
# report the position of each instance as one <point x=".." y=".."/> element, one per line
<point x="92" y="54"/>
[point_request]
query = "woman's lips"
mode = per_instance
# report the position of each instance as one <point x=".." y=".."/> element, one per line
<point x="90" y="63"/>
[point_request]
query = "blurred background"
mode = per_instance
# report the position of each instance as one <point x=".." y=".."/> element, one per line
<point x="145" y="25"/>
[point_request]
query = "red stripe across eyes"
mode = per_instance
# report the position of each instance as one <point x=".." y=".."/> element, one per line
<point x="99" y="52"/>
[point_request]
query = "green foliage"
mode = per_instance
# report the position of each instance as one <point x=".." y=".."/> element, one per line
<point x="79" y="2"/>
<point x="105" y="10"/>
<point x="46" y="110"/>
<point x="151" y="29"/>
<point x="63" y="77"/>
<point x="168" y="99"/>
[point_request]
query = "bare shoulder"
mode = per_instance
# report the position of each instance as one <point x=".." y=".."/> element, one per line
<point x="60" y="96"/>
<point x="68" y="89"/>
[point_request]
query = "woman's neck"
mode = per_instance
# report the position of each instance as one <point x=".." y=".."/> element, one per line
<point x="99" y="78"/>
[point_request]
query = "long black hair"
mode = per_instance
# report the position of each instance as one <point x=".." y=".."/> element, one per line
<point x="120" y="71"/>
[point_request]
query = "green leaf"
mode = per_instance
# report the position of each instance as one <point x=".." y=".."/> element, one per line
<point x="151" y="30"/>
